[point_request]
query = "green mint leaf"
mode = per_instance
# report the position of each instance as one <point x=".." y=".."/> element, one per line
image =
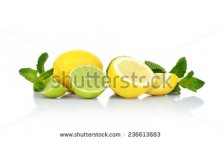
<point x="180" y="68"/>
<point x="42" y="80"/>
<point x="41" y="62"/>
<point x="45" y="75"/>
<point x="189" y="75"/>
<point x="191" y="83"/>
<point x="176" y="90"/>
<point x="29" y="74"/>
<point x="156" y="68"/>
<point x="38" y="86"/>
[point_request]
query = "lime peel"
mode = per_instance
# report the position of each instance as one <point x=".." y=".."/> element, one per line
<point x="53" y="89"/>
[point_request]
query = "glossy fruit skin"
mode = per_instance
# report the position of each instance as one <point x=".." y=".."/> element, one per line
<point x="167" y="88"/>
<point x="117" y="86"/>
<point x="67" y="61"/>
<point x="54" y="94"/>
<point x="86" y="95"/>
<point x="53" y="89"/>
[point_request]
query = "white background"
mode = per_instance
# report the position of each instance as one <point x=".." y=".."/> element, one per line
<point x="160" y="31"/>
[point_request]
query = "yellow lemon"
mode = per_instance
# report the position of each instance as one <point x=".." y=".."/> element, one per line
<point x="128" y="77"/>
<point x="163" y="83"/>
<point x="65" y="63"/>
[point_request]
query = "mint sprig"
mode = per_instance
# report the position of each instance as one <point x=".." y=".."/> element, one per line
<point x="29" y="74"/>
<point x="38" y="76"/>
<point x="180" y="68"/>
<point x="41" y="62"/>
<point x="38" y="85"/>
<point x="191" y="83"/>
<point x="156" y="68"/>
<point x="45" y="74"/>
<point x="176" y="90"/>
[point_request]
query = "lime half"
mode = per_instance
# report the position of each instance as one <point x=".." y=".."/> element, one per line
<point x="54" y="89"/>
<point x="88" y="81"/>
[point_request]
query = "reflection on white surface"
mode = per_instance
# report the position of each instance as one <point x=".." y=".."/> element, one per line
<point x="68" y="103"/>
<point x="153" y="111"/>
<point x="72" y="110"/>
<point x="117" y="104"/>
<point x="155" y="103"/>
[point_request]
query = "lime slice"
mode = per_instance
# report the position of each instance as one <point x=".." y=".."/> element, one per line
<point x="88" y="81"/>
<point x="54" y="89"/>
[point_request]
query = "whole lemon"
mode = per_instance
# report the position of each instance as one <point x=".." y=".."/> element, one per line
<point x="67" y="61"/>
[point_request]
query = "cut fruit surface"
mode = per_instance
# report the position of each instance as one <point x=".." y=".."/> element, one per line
<point x="88" y="81"/>
<point x="129" y="77"/>
<point x="53" y="89"/>
<point x="163" y="84"/>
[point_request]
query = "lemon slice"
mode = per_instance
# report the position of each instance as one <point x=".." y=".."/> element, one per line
<point x="129" y="77"/>
<point x="53" y="89"/>
<point x="163" y="83"/>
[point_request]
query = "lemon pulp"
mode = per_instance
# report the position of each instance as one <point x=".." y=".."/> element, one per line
<point x="129" y="77"/>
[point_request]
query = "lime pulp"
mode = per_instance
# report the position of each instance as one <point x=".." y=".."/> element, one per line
<point x="88" y="81"/>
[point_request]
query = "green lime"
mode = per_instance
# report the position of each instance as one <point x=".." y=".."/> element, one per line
<point x="88" y="81"/>
<point x="53" y="89"/>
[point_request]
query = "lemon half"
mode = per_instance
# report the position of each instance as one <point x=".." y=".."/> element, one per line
<point x="128" y="77"/>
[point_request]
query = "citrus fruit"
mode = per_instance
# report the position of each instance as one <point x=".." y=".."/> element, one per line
<point x="163" y="84"/>
<point x="128" y="77"/>
<point x="54" y="89"/>
<point x="88" y="81"/>
<point x="64" y="64"/>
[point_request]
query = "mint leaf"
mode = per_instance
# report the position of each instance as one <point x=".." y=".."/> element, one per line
<point x="41" y="62"/>
<point x="38" y="86"/>
<point x="176" y="90"/>
<point x="191" y="83"/>
<point x="189" y="75"/>
<point x="29" y="74"/>
<point x="156" y="68"/>
<point x="45" y="74"/>
<point x="180" y="68"/>
<point x="41" y="81"/>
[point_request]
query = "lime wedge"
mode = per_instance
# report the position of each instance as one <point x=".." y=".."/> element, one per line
<point x="54" y="89"/>
<point x="88" y="81"/>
